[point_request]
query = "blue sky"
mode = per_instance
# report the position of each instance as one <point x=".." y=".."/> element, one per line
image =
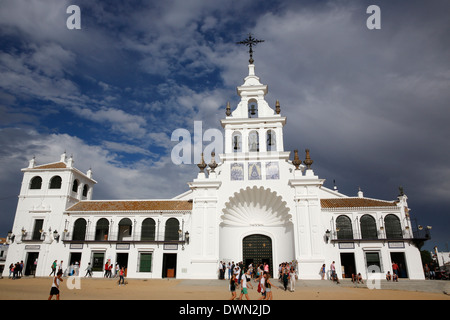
<point x="371" y="105"/>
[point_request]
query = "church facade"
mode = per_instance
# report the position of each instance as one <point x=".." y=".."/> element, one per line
<point x="255" y="205"/>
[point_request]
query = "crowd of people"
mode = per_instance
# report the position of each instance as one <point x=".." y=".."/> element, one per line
<point x="16" y="270"/>
<point x="241" y="277"/>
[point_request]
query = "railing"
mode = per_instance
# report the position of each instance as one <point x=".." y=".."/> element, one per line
<point x="418" y="234"/>
<point x="30" y="236"/>
<point x="117" y="237"/>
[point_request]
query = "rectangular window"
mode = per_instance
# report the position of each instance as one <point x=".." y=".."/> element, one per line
<point x="97" y="261"/>
<point x="373" y="262"/>
<point x="145" y="262"/>
<point x="38" y="224"/>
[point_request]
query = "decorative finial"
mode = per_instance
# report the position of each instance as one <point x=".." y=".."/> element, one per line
<point x="250" y="42"/>
<point x="277" y="107"/>
<point x="213" y="164"/>
<point x="296" y="162"/>
<point x="228" y="112"/>
<point x="202" y="165"/>
<point x="308" y="162"/>
<point x="401" y="192"/>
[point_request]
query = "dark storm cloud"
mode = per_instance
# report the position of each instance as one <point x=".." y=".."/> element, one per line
<point x="372" y="105"/>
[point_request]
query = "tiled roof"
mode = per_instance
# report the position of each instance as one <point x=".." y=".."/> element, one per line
<point x="56" y="165"/>
<point x="355" y="203"/>
<point x="131" y="205"/>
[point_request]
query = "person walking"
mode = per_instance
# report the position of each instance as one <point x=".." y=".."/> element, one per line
<point x="55" y="285"/>
<point x="53" y="269"/>
<point x="268" y="287"/>
<point x="262" y="286"/>
<point x="285" y="278"/>
<point x="121" y="276"/>
<point x="232" y="286"/>
<point x="244" y="290"/>
<point x="89" y="270"/>
<point x="106" y="269"/>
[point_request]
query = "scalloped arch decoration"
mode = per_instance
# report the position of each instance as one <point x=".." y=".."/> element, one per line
<point x="255" y="207"/>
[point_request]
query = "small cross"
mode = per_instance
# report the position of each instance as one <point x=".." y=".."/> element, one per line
<point x="250" y="41"/>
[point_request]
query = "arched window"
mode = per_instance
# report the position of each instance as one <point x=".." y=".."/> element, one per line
<point x="368" y="227"/>
<point x="237" y="142"/>
<point x="271" y="140"/>
<point x="85" y="190"/>
<point x="75" y="186"/>
<point x="79" y="230"/>
<point x="148" y="229"/>
<point x="172" y="227"/>
<point x="253" y="141"/>
<point x="55" y="182"/>
<point x="252" y="109"/>
<point x="102" y="229"/>
<point x="36" y="183"/>
<point x="344" y="228"/>
<point x="393" y="227"/>
<point x="124" y="229"/>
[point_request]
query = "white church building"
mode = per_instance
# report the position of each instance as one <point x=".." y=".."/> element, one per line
<point x="253" y="205"/>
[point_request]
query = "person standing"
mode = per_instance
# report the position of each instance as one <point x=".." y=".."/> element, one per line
<point x="322" y="271"/>
<point x="334" y="276"/>
<point x="33" y="271"/>
<point x="55" y="285"/>
<point x="121" y="276"/>
<point x="395" y="268"/>
<point x="21" y="268"/>
<point x="292" y="279"/>
<point x="11" y="269"/>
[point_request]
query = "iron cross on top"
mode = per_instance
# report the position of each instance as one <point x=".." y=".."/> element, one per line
<point x="250" y="41"/>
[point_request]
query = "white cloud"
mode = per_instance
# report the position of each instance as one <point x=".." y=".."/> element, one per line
<point x="119" y="120"/>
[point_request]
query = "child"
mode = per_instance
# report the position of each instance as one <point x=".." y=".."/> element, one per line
<point x="55" y="285"/>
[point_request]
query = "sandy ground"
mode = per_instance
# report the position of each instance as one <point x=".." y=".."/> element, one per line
<point x="175" y="289"/>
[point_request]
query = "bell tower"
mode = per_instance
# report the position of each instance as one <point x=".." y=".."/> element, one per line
<point x="253" y="129"/>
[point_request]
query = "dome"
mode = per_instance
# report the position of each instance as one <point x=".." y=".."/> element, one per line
<point x="255" y="207"/>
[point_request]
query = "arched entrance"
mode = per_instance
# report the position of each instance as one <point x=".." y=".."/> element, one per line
<point x="257" y="249"/>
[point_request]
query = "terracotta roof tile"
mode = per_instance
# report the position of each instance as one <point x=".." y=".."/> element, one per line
<point x="131" y="205"/>
<point x="355" y="203"/>
<point x="56" y="165"/>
